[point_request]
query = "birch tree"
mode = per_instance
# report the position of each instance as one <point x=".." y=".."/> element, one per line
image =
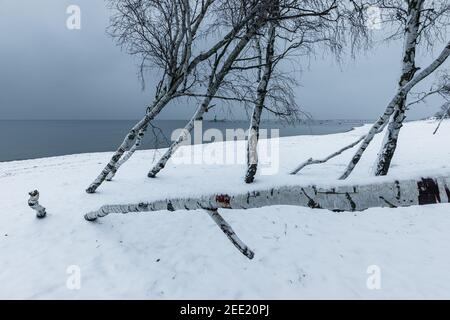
<point x="400" y="95"/>
<point x="417" y="22"/>
<point x="264" y="76"/>
<point x="305" y="11"/>
<point x="165" y="34"/>
<point x="299" y="38"/>
<point x="222" y="65"/>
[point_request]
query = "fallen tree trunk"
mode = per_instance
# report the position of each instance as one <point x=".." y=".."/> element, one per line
<point x="340" y="198"/>
<point x="360" y="197"/>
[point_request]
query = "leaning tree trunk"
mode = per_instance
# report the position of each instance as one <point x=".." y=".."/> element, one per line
<point x="253" y="136"/>
<point x="391" y="108"/>
<point x="129" y="140"/>
<point x="129" y="154"/>
<point x="408" y="70"/>
<point x="340" y="198"/>
<point x="211" y="92"/>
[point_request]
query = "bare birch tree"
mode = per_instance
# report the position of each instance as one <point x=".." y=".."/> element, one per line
<point x="164" y="34"/>
<point x="222" y="66"/>
<point x="417" y="22"/>
<point x="292" y="10"/>
<point x="299" y="38"/>
<point x="401" y="94"/>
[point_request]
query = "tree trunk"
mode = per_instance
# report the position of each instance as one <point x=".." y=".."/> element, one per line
<point x="391" y="108"/>
<point x="408" y="70"/>
<point x="129" y="140"/>
<point x="211" y="92"/>
<point x="253" y="137"/>
<point x="340" y="198"/>
<point x="129" y="154"/>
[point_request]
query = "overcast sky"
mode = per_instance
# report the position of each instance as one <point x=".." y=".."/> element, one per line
<point x="50" y="72"/>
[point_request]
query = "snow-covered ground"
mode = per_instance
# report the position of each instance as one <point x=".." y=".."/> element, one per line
<point x="300" y="252"/>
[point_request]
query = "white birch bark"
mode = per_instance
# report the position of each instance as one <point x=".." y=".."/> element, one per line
<point x="231" y="235"/>
<point x="389" y="145"/>
<point x="129" y="140"/>
<point x="391" y="108"/>
<point x="164" y="99"/>
<point x="253" y="138"/>
<point x="128" y="155"/>
<point x="33" y="202"/>
<point x="212" y="90"/>
<point x="358" y="197"/>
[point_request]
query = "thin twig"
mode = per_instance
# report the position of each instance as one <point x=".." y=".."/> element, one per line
<point x="446" y="112"/>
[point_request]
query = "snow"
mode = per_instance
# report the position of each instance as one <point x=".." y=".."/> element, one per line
<point x="299" y="252"/>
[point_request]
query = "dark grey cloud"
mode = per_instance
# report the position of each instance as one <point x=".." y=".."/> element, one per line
<point x="50" y="72"/>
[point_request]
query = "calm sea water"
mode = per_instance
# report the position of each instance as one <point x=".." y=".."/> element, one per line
<point x="45" y="138"/>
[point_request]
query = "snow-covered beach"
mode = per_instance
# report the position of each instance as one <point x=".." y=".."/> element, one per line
<point x="300" y="252"/>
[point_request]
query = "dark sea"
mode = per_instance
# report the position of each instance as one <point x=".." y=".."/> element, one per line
<point x="29" y="139"/>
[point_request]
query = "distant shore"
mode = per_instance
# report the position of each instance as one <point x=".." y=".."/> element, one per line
<point x="46" y="138"/>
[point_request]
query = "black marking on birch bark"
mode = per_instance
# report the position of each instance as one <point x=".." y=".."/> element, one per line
<point x="251" y="172"/>
<point x="350" y="200"/>
<point x="311" y="203"/>
<point x="170" y="206"/>
<point x="428" y="191"/>
<point x="390" y="204"/>
<point x="333" y="191"/>
<point x="399" y="194"/>
<point x="143" y="206"/>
